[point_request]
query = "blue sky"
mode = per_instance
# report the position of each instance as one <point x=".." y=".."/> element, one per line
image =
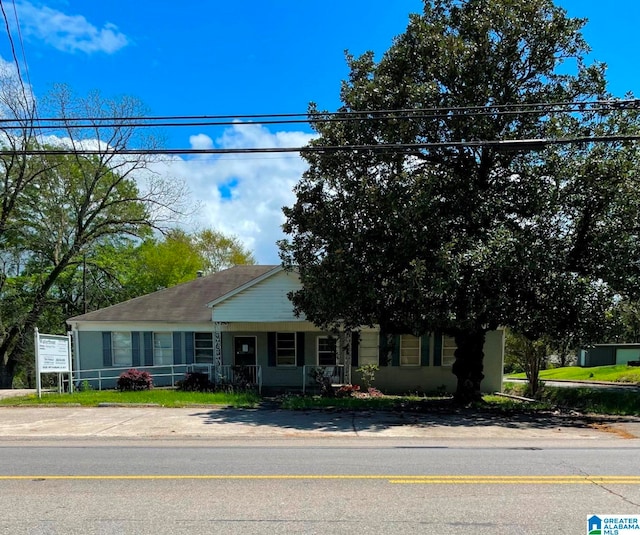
<point x="210" y="57"/>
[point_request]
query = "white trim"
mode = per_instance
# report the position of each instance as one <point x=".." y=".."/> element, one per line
<point x="246" y="285"/>
<point x="295" y="349"/>
<point x="113" y="355"/>
<point x="416" y="365"/>
<point x="155" y="348"/>
<point x="326" y="337"/>
<point x="450" y="358"/>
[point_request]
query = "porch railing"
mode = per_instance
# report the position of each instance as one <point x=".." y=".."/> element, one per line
<point x="100" y="376"/>
<point x="219" y="375"/>
<point x="250" y="375"/>
<point x="333" y="374"/>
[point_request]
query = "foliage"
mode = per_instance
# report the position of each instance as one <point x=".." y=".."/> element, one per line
<point x="220" y="251"/>
<point x="133" y="379"/>
<point x="588" y="400"/>
<point x="196" y="382"/>
<point x="322" y="382"/>
<point x="162" y="263"/>
<point x="439" y="233"/>
<point x="368" y="374"/>
<point x="56" y="207"/>
<point x="346" y="391"/>
<point x="530" y="356"/>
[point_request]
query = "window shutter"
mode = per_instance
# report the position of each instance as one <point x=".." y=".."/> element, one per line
<point x="177" y="348"/>
<point x="424" y="350"/>
<point x="188" y="347"/>
<point x="107" y="359"/>
<point x="271" y="349"/>
<point x="300" y="349"/>
<point x="135" y="349"/>
<point x="355" y="345"/>
<point x="437" y="348"/>
<point x="395" y="355"/>
<point x="148" y="348"/>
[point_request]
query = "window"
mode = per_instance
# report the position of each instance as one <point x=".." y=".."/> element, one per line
<point x="162" y="349"/>
<point x="285" y="349"/>
<point x="121" y="348"/>
<point x="203" y="348"/>
<point x="448" y="350"/>
<point x="326" y="351"/>
<point x="409" y="350"/>
<point x="368" y="351"/>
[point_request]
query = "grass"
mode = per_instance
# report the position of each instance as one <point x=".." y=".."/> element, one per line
<point x="585" y="400"/>
<point x="619" y="373"/>
<point x="352" y="403"/>
<point x="160" y="397"/>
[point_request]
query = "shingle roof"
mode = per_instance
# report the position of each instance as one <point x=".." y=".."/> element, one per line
<point x="185" y="302"/>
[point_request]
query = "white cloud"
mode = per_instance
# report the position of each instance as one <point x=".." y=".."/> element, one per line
<point x="68" y="33"/>
<point x="259" y="185"/>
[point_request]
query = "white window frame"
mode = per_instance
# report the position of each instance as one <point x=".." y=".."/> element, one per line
<point x="409" y="351"/>
<point x="203" y="357"/>
<point x="121" y="354"/>
<point x="318" y="351"/>
<point x="162" y="355"/>
<point x="448" y="350"/>
<point x="280" y="349"/>
<point x="369" y="348"/>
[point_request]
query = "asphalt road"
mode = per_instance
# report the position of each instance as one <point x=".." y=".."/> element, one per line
<point x="309" y="486"/>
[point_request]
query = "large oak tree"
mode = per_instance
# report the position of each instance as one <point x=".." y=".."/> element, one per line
<point x="458" y="234"/>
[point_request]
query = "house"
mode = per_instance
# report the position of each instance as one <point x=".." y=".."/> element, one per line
<point x="609" y="354"/>
<point x="238" y="324"/>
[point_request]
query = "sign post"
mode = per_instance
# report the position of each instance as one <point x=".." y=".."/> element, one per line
<point x="53" y="355"/>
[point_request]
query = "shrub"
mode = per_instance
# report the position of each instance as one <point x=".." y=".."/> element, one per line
<point x="322" y="381"/>
<point x="134" y="380"/>
<point x="368" y="374"/>
<point x="346" y="391"/>
<point x="196" y="382"/>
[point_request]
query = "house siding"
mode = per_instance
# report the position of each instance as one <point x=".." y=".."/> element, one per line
<point x="265" y="301"/>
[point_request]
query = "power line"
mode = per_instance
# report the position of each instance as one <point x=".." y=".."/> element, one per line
<point x="13" y="50"/>
<point x="470" y="111"/>
<point x="506" y="145"/>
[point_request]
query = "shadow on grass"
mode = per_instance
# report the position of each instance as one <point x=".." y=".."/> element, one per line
<point x="442" y="414"/>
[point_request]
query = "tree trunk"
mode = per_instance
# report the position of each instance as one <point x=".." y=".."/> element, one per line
<point x="7" y="370"/>
<point x="469" y="365"/>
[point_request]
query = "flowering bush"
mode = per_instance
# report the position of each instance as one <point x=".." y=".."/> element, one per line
<point x="134" y="380"/>
<point x="346" y="391"/>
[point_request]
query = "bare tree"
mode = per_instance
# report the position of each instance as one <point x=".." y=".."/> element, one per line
<point x="55" y="207"/>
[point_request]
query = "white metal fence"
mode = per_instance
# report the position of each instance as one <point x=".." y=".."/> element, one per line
<point x="108" y="377"/>
<point x="165" y="375"/>
<point x="242" y="376"/>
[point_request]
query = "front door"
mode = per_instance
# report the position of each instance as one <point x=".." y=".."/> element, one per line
<point x="245" y="350"/>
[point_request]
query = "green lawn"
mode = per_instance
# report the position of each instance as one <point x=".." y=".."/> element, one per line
<point x="620" y="373"/>
<point x="160" y="397"/>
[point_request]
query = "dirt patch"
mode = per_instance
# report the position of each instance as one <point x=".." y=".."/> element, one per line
<point x="618" y="431"/>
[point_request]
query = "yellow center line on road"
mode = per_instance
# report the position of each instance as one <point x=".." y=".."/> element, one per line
<point x="395" y="479"/>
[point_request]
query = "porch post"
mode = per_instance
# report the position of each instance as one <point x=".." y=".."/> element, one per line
<point x="217" y="343"/>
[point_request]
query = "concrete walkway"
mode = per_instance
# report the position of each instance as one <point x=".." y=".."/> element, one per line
<point x="144" y="422"/>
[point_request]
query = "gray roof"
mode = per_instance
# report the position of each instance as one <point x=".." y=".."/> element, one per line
<point x="184" y="303"/>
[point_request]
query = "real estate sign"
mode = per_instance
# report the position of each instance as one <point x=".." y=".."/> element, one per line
<point x="53" y="355"/>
